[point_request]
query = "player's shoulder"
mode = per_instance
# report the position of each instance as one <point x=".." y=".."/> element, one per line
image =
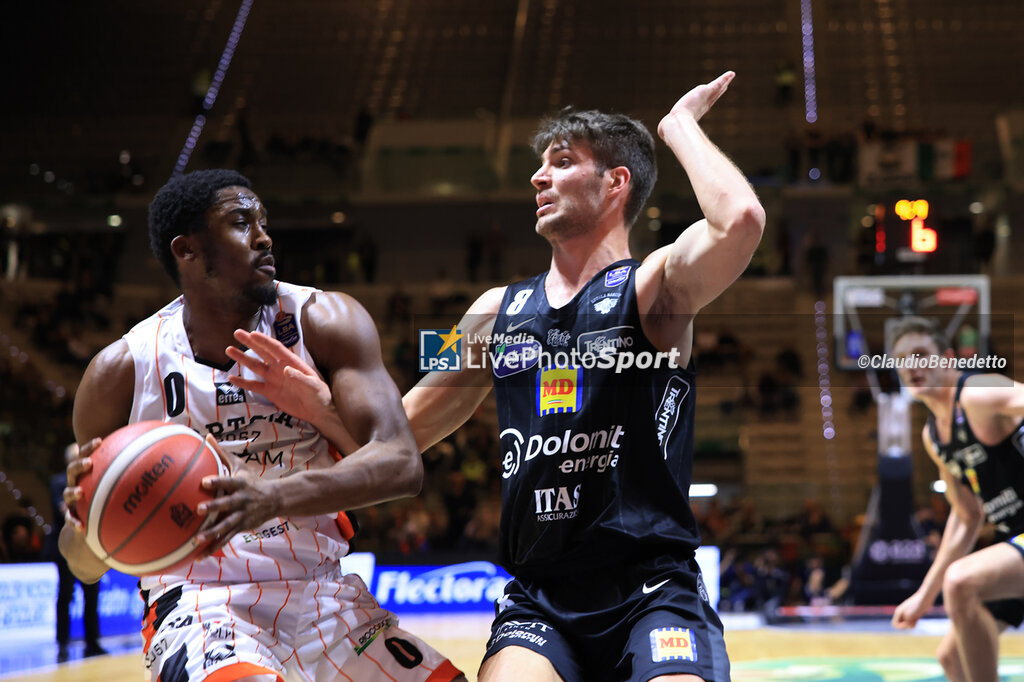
<point x="488" y="302"/>
<point x="987" y="390"/>
<point x="111" y="369"/>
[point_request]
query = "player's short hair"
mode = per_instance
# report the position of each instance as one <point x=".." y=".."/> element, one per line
<point x="180" y="206"/>
<point x="615" y="140"/>
<point x="913" y="324"/>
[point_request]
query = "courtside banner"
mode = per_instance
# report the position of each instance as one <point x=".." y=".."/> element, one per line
<point x="469" y="587"/>
<point x="28" y="603"/>
<point x="120" y="606"/>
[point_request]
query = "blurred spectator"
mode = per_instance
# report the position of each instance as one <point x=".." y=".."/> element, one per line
<point x="66" y="579"/>
<point x="21" y="539"/>
<point x="785" y="79"/>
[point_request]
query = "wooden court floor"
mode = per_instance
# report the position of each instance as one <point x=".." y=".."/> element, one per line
<point x="784" y="654"/>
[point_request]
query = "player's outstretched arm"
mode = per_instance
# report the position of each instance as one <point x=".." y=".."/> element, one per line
<point x="343" y="341"/>
<point x="993" y="397"/>
<point x="103" y="404"/>
<point x="443" y="401"/>
<point x="958" y="538"/>
<point x="683" y="277"/>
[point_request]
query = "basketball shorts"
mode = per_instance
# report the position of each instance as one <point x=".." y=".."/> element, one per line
<point x="329" y="628"/>
<point x="652" y="619"/>
<point x="1009" y="611"/>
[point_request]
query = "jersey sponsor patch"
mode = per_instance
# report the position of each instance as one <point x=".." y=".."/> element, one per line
<point x="558" y="390"/>
<point x="229" y="394"/>
<point x="673" y="644"/>
<point x="614" y="278"/>
<point x="668" y="411"/>
<point x="285" y="329"/>
<point x="512" y="358"/>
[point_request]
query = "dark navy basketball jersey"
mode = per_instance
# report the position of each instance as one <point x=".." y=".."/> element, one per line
<point x="994" y="472"/>
<point x="596" y="464"/>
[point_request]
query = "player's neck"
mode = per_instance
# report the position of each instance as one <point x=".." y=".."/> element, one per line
<point x="576" y="260"/>
<point x="939" y="401"/>
<point x="211" y="329"/>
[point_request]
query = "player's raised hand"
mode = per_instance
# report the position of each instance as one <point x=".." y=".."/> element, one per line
<point x="285" y="379"/>
<point x="698" y="101"/>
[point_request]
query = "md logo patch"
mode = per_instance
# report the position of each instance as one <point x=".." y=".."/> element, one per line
<point x="440" y="350"/>
<point x="673" y="644"/>
<point x="558" y="390"/>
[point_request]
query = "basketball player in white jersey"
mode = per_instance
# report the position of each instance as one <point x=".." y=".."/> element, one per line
<point x="267" y="601"/>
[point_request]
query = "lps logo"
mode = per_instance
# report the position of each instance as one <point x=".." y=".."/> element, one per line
<point x="440" y="350"/>
<point x="558" y="390"/>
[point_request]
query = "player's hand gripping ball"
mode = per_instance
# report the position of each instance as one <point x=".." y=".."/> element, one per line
<point x="138" y="502"/>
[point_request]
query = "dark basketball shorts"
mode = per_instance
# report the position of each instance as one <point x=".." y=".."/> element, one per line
<point x="1010" y="611"/>
<point x="643" y="626"/>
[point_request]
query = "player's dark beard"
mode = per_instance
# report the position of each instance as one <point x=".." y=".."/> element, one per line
<point x="264" y="294"/>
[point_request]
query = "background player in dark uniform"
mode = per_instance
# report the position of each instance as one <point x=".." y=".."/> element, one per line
<point x="975" y="436"/>
<point x="596" y="524"/>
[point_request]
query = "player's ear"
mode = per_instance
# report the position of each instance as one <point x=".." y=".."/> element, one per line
<point x="618" y="179"/>
<point x="184" y="248"/>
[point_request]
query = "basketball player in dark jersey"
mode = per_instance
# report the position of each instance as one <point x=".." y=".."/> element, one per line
<point x="976" y="436"/>
<point x="595" y="390"/>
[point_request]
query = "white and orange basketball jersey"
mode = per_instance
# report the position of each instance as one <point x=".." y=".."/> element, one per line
<point x="173" y="385"/>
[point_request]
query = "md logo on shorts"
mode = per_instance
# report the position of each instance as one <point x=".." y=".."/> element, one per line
<point x="558" y="390"/>
<point x="440" y="350"/>
<point x="673" y="644"/>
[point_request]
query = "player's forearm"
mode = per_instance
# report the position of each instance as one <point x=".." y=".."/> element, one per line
<point x="958" y="540"/>
<point x="435" y="412"/>
<point x="380" y="471"/>
<point x="86" y="566"/>
<point x="726" y="198"/>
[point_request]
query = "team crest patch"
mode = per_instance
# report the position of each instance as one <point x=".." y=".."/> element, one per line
<point x="673" y="644"/>
<point x="558" y="390"/>
<point x="285" y="329"/>
<point x="604" y="304"/>
<point x="614" y="278"/>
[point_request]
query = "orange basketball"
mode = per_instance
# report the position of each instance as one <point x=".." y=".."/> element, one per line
<point x="139" y="500"/>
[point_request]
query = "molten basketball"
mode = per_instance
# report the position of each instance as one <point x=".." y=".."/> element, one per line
<point x="139" y="500"/>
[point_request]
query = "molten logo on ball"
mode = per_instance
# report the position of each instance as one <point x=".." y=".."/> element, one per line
<point x="148" y="480"/>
